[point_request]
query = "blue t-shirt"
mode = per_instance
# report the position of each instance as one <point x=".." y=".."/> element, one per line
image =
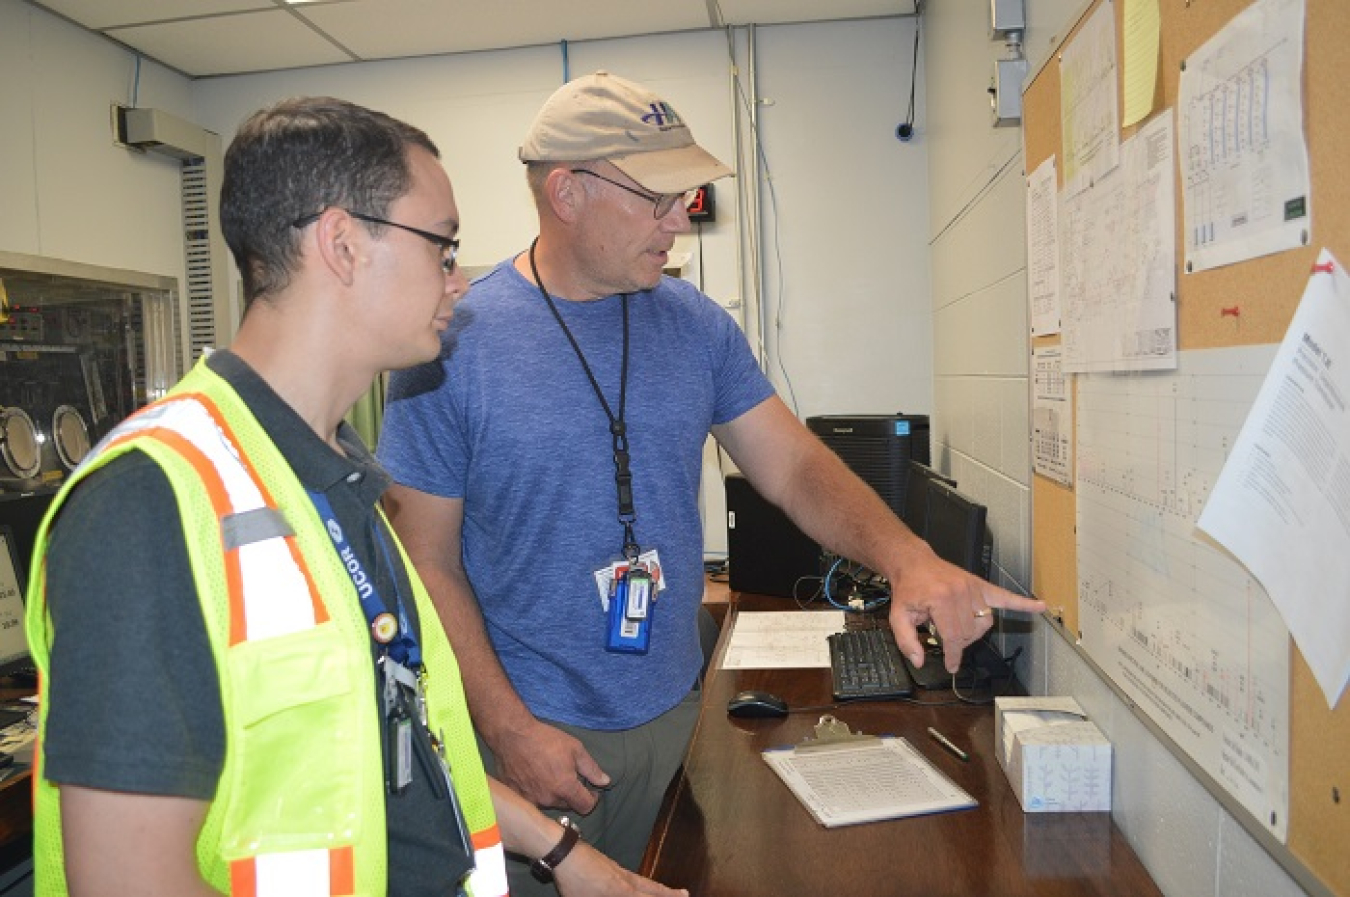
<point x="508" y="421"/>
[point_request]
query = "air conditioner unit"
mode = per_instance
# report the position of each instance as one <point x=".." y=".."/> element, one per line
<point x="160" y="132"/>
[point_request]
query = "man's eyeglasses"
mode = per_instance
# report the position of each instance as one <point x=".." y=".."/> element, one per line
<point x="449" y="248"/>
<point x="662" y="203"/>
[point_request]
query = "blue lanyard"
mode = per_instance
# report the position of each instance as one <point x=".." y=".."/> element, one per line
<point x="395" y="634"/>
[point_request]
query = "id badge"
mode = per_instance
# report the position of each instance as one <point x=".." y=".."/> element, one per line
<point x="605" y="577"/>
<point x="629" y="617"/>
<point x="398" y="750"/>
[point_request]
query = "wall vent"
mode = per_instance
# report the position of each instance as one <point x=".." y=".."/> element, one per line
<point x="201" y="301"/>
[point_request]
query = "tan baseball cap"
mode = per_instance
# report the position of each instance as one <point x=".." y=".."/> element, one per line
<point x="603" y="116"/>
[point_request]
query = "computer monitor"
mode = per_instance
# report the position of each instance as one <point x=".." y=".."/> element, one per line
<point x="915" y="509"/>
<point x="956" y="529"/>
<point x="14" y="656"/>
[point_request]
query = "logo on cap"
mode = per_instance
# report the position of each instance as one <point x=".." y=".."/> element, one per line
<point x="662" y="115"/>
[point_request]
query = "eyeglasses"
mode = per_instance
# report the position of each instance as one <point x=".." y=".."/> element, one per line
<point x="449" y="248"/>
<point x="662" y="203"/>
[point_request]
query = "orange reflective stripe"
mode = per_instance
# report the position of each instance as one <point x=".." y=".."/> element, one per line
<point x="220" y="507"/>
<point x="279" y="874"/>
<point x="181" y="434"/>
<point x="487" y="837"/>
<point x="342" y="870"/>
<point x="320" y="612"/>
<point x="243" y="878"/>
<point x="488" y="878"/>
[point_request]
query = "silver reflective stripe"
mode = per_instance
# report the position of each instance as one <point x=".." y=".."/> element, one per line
<point x="273" y="587"/>
<point x="256" y="525"/>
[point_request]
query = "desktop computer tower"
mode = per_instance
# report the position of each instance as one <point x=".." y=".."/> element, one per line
<point x="877" y="447"/>
<point x="766" y="553"/>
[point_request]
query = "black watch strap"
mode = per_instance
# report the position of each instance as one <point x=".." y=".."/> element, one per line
<point x="542" y="868"/>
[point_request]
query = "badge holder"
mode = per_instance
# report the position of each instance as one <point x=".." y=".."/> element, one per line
<point x="628" y="628"/>
<point x="629" y="625"/>
<point x="408" y="734"/>
<point x="398" y="729"/>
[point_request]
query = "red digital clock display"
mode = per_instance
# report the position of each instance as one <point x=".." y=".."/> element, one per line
<point x="701" y="207"/>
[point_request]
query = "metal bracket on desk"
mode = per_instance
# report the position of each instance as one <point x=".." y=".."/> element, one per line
<point x="831" y="732"/>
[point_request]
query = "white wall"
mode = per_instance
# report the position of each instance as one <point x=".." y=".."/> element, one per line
<point x="851" y="310"/>
<point x="845" y="259"/>
<point x="843" y="239"/>
<point x="477" y="107"/>
<point x="1190" y="844"/>
<point x="66" y="191"/>
<point x="843" y="229"/>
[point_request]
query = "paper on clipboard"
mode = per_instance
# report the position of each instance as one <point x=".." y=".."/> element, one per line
<point x="851" y="779"/>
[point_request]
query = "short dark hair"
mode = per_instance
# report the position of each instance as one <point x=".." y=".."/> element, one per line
<point x="297" y="158"/>
<point x="536" y="177"/>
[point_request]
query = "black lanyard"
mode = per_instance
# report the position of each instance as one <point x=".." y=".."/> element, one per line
<point x="395" y="633"/>
<point x="623" y="477"/>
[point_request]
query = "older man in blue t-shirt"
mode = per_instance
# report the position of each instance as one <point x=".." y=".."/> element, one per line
<point x="551" y="460"/>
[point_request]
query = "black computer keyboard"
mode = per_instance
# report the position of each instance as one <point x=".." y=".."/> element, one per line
<point x="866" y="663"/>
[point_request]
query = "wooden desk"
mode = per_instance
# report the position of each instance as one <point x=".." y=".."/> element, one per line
<point x="731" y="828"/>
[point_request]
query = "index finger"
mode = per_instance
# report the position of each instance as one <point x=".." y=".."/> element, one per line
<point x="1005" y="600"/>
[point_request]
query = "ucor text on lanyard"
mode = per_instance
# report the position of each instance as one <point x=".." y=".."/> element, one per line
<point x="627" y="587"/>
<point x="402" y="676"/>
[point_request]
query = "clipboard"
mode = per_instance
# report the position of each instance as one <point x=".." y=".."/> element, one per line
<point x="848" y="778"/>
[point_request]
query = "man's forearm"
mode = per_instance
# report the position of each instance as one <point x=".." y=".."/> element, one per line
<point x="829" y="503"/>
<point x="494" y="704"/>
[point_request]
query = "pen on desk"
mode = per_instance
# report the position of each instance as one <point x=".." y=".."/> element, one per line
<point x="946" y="742"/>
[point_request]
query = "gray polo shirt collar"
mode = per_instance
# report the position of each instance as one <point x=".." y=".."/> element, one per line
<point x="318" y="467"/>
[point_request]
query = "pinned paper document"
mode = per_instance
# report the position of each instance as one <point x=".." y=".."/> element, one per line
<point x="1282" y="502"/>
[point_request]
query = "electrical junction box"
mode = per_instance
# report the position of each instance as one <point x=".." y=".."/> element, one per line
<point x="1005" y="16"/>
<point x="1005" y="92"/>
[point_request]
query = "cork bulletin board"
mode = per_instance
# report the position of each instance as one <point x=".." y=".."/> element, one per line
<point x="1265" y="292"/>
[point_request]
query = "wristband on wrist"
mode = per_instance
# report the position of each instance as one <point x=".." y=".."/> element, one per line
<point x="542" y="868"/>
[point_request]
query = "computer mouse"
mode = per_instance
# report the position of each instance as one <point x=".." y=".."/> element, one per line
<point x="756" y="704"/>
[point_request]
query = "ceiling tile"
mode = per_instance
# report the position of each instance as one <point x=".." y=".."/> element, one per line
<point x="748" y="12"/>
<point x="248" y="42"/>
<point x="393" y="28"/>
<point x="98" y="14"/>
<point x="221" y="37"/>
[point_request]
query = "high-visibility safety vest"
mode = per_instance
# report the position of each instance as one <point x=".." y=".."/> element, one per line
<point x="299" y="809"/>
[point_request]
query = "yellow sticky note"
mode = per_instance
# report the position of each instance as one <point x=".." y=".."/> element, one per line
<point x="1141" y="27"/>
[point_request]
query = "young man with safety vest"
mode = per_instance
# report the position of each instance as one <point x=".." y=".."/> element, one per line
<point x="244" y="686"/>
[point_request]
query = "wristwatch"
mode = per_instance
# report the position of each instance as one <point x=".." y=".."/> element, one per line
<point x="542" y="868"/>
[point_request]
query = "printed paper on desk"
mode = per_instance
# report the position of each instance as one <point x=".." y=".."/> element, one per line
<point x="866" y="781"/>
<point x="1282" y="501"/>
<point x="781" y="639"/>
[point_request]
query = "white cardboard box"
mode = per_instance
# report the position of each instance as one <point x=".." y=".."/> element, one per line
<point x="1056" y="759"/>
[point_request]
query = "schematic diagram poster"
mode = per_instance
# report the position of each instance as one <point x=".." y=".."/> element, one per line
<point x="1244" y="159"/>
<point x="1179" y="625"/>
<point x="1118" y="261"/>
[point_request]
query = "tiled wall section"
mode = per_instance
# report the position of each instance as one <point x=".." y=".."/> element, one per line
<point x="1190" y="843"/>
